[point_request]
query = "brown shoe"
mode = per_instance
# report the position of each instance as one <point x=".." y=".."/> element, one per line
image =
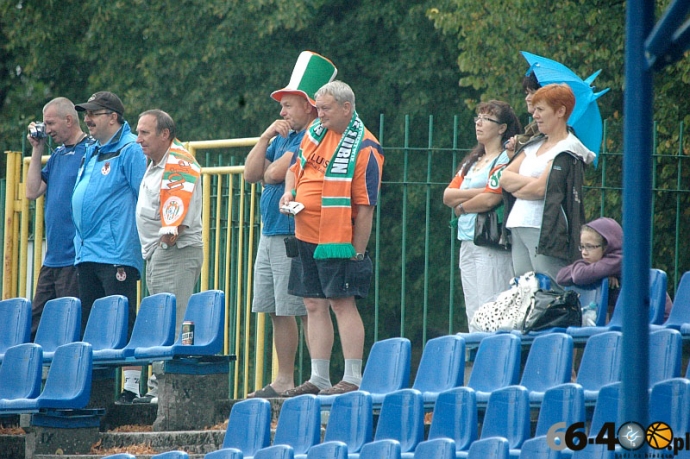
<point x="305" y="388"/>
<point x="340" y="388"/>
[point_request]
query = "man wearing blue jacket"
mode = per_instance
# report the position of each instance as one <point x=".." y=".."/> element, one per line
<point x="108" y="253"/>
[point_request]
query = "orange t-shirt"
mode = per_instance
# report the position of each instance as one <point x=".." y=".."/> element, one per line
<point x="309" y="182"/>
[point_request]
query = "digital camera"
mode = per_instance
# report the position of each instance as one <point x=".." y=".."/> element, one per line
<point x="38" y="131"/>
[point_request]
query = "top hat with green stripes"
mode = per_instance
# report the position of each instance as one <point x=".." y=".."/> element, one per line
<point x="310" y="73"/>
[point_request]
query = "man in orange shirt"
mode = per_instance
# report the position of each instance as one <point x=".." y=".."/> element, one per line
<point x="336" y="177"/>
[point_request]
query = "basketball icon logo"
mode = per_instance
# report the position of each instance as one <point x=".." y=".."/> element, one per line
<point x="659" y="435"/>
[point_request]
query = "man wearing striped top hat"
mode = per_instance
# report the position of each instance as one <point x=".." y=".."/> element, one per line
<point x="267" y="163"/>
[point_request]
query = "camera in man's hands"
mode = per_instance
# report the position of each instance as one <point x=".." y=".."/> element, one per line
<point x="291" y="249"/>
<point x="292" y="208"/>
<point x="38" y="131"/>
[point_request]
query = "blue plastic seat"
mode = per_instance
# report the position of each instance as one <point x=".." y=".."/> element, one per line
<point x="665" y="350"/>
<point x="600" y="364"/>
<point x="549" y="363"/>
<point x="120" y="456"/>
<point x="437" y="448"/>
<point x="496" y="365"/>
<point x="679" y="316"/>
<point x="299" y="423"/>
<point x="606" y="408"/>
<point x="594" y="452"/>
<point x="455" y="417"/>
<point x="657" y="305"/>
<point x="381" y="449"/>
<point x="669" y="402"/>
<point x="401" y="419"/>
<point x="441" y="367"/>
<point x="15" y="323"/>
<point x="489" y="448"/>
<point x="207" y="311"/>
<point x="350" y="421"/>
<point x="153" y="326"/>
<point x="20" y="372"/>
<point x="249" y="426"/>
<point x="538" y="448"/>
<point x="171" y="455"/>
<point x="387" y="369"/>
<point x="68" y="385"/>
<point x="107" y="324"/>
<point x="275" y="452"/>
<point x="507" y="416"/>
<point x="328" y="450"/>
<point x="225" y="453"/>
<point x="60" y="324"/>
<point x="597" y="293"/>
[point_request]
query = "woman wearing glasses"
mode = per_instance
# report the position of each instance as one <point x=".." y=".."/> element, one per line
<point x="542" y="187"/>
<point x="601" y="245"/>
<point x="484" y="271"/>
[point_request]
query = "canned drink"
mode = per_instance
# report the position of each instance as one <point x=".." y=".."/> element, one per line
<point x="188" y="332"/>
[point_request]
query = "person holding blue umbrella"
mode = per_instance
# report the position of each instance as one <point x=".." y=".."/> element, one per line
<point x="542" y="189"/>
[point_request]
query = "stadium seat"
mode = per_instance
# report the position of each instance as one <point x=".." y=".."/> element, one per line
<point x="489" y="448"/>
<point x="496" y="365"/>
<point x="299" y="423"/>
<point x="401" y="419"/>
<point x="20" y="372"/>
<point x="387" y="370"/>
<point x="549" y="363"/>
<point x="106" y="327"/>
<point x="538" y="448"/>
<point x="600" y="364"/>
<point x="437" y="448"/>
<point x="275" y="452"/>
<point x="381" y="449"/>
<point x="15" y="323"/>
<point x="441" y="367"/>
<point x="249" y="426"/>
<point x="606" y="408"/>
<point x="665" y="350"/>
<point x="597" y="293"/>
<point x="120" y="456"/>
<point x="171" y="455"/>
<point x="669" y="402"/>
<point x="60" y="324"/>
<point x="68" y="385"/>
<point x="328" y="450"/>
<point x="594" y="452"/>
<point x="153" y="326"/>
<point x="507" y="416"/>
<point x="455" y="417"/>
<point x="225" y="453"/>
<point x="350" y="421"/>
<point x="679" y="316"/>
<point x="657" y="304"/>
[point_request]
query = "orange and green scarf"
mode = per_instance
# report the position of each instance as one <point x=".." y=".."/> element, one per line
<point x="335" y="231"/>
<point x="180" y="177"/>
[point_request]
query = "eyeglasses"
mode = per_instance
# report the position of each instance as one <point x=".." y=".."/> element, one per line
<point x="588" y="248"/>
<point x="484" y="119"/>
<point x="91" y="115"/>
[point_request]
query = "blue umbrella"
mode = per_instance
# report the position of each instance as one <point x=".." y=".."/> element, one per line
<point x="585" y="118"/>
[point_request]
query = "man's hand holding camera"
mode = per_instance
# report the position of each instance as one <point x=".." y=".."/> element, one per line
<point x="37" y="134"/>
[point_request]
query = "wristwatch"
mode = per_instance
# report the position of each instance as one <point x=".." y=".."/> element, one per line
<point x="359" y="256"/>
<point x="164" y="246"/>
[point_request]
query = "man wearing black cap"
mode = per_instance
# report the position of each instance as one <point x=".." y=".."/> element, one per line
<point x="108" y="254"/>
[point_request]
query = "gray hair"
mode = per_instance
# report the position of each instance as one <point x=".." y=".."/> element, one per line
<point x="63" y="107"/>
<point x="340" y="91"/>
<point x="163" y="121"/>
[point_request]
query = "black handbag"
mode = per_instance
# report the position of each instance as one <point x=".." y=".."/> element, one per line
<point x="487" y="230"/>
<point x="551" y="309"/>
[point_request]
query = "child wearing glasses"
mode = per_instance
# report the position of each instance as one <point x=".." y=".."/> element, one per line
<point x="601" y="243"/>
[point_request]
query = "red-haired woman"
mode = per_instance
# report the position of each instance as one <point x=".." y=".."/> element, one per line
<point x="542" y="188"/>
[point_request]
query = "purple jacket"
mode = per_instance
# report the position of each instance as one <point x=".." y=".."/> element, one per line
<point x="583" y="273"/>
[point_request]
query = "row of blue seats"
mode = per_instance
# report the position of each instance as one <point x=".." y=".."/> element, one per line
<point x="153" y="335"/>
<point x="678" y="319"/>
<point x="498" y="360"/>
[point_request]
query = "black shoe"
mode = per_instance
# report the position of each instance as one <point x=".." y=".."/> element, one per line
<point x="126" y="398"/>
<point x="148" y="398"/>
